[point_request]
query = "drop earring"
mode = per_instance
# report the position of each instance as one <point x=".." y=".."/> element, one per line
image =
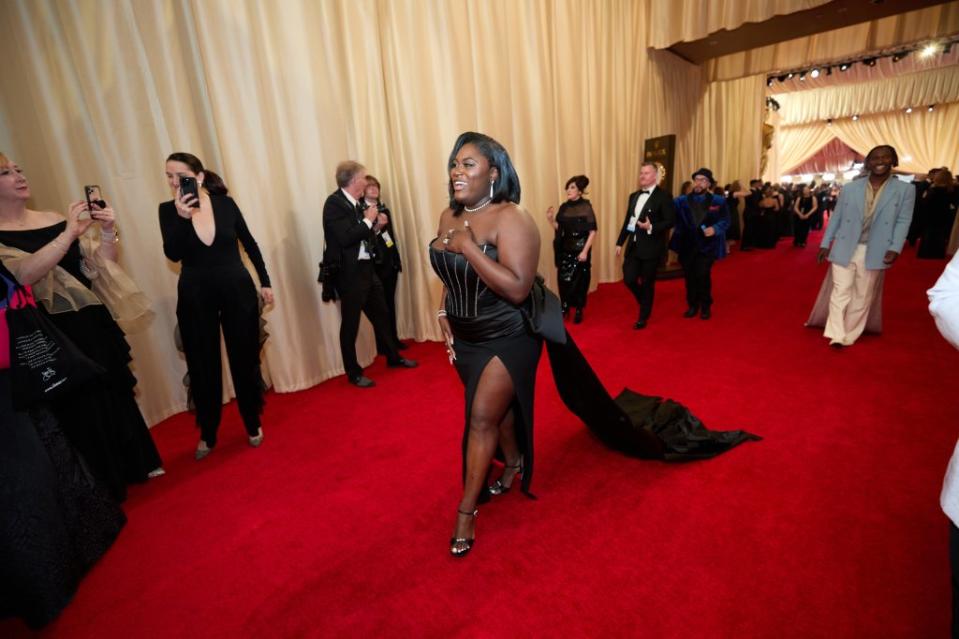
<point x="491" y="182"/>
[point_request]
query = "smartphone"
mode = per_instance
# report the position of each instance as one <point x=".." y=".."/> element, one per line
<point x="92" y="194"/>
<point x="188" y="187"/>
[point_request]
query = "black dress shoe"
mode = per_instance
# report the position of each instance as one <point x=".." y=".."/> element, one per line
<point x="403" y="363"/>
<point x="640" y="323"/>
<point x="362" y="381"/>
<point x="690" y="312"/>
<point x="837" y="345"/>
<point x="705" y="314"/>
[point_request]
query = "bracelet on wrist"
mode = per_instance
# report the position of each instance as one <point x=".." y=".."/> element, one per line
<point x="441" y="313"/>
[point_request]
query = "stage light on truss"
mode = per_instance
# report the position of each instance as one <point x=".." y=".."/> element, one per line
<point x="855" y="118"/>
<point x="869" y="62"/>
<point x="814" y="74"/>
<point x="908" y="110"/>
<point x="845" y="66"/>
<point x="828" y="70"/>
<point x="929" y="50"/>
<point x="769" y="82"/>
<point x="931" y="108"/>
<point x="899" y="55"/>
<point x="802" y="76"/>
<point x="829" y="122"/>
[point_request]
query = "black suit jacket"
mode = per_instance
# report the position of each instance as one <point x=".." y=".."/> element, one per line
<point x="344" y="229"/>
<point x="659" y="209"/>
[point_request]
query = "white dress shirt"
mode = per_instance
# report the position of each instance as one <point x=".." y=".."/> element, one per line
<point x="364" y="254"/>
<point x="638" y="208"/>
<point x="944" y="306"/>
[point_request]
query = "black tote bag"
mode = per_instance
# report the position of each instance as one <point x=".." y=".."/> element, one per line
<point x="44" y="363"/>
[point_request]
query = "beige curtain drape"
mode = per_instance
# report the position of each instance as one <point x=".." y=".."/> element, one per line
<point x="272" y="95"/>
<point x="936" y="86"/>
<point x="792" y="145"/>
<point x="732" y="116"/>
<point x="838" y="44"/>
<point x="923" y="140"/>
<point x="673" y="21"/>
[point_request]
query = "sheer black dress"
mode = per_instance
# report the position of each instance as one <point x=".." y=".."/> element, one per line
<point x="57" y="519"/>
<point x="576" y="220"/>
<point x="103" y="420"/>
<point x="485" y="326"/>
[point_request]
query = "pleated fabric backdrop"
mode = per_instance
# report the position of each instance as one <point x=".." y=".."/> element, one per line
<point x="272" y="95"/>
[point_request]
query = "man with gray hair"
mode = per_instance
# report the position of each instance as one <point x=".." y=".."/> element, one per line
<point x="349" y="227"/>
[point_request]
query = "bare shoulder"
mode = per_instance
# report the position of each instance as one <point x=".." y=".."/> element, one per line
<point x="513" y="217"/>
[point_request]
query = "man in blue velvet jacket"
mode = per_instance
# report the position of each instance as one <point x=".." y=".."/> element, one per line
<point x="699" y="238"/>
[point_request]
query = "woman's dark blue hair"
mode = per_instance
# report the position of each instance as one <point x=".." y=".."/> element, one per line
<point x="506" y="187"/>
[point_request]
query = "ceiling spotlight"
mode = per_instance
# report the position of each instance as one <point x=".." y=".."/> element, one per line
<point x="769" y="81"/>
<point x="899" y="55"/>
<point x="932" y="107"/>
<point x="802" y="76"/>
<point x="844" y="66"/>
<point x="855" y="118"/>
<point x="814" y="73"/>
<point x="908" y="109"/>
<point x="929" y="50"/>
<point x="789" y="76"/>
<point x="829" y="122"/>
<point x="869" y="62"/>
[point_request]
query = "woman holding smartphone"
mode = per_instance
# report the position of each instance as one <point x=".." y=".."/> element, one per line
<point x="70" y="261"/>
<point x="201" y="226"/>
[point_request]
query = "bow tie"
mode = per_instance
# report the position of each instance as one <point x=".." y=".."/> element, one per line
<point x="645" y="192"/>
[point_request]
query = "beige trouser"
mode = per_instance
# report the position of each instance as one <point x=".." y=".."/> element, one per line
<point x="853" y="288"/>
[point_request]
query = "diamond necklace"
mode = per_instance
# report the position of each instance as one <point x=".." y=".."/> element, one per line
<point x="481" y="206"/>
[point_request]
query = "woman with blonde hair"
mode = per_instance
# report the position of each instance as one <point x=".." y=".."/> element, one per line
<point x="70" y="261"/>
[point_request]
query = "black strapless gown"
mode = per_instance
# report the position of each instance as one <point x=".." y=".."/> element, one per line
<point x="485" y="326"/>
<point x="103" y="420"/>
<point x="57" y="520"/>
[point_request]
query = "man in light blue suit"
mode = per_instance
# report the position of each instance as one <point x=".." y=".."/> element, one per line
<point x="866" y="231"/>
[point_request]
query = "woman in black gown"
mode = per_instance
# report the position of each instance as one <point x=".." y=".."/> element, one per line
<point x="58" y="520"/>
<point x="43" y="249"/>
<point x="486" y="253"/>
<point x="215" y="290"/>
<point x="575" y="226"/>
<point x="804" y="208"/>
<point x="767" y="224"/>
<point x="495" y="317"/>
<point x="937" y="214"/>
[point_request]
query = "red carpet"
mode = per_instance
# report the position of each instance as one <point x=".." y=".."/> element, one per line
<point x="338" y="525"/>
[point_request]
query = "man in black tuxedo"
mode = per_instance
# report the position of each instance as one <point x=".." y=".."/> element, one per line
<point x="649" y="216"/>
<point x="350" y="227"/>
